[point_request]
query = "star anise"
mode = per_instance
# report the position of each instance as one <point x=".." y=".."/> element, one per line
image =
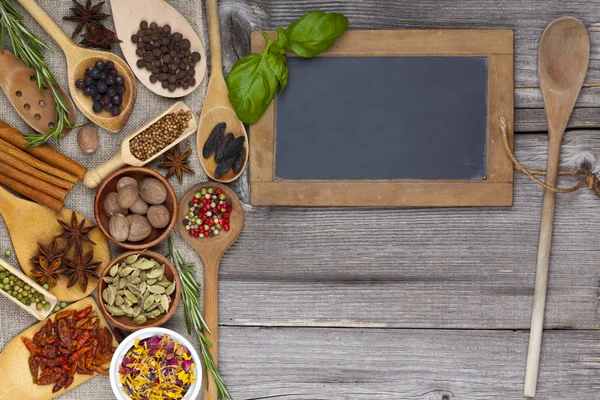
<point x="47" y="272"/>
<point x="50" y="253"/>
<point x="99" y="37"/>
<point x="177" y="163"/>
<point x="86" y="16"/>
<point x="75" y="233"/>
<point x="81" y="268"/>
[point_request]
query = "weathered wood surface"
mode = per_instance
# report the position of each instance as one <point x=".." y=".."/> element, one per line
<point x="305" y="293"/>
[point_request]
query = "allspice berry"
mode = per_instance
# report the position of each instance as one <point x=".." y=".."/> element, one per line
<point x="88" y="139"/>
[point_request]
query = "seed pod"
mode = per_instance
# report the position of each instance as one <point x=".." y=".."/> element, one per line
<point x="164" y="302"/>
<point x="114" y="311"/>
<point x="170" y="289"/>
<point x="210" y="146"/>
<point x="156" y="289"/>
<point x="140" y="320"/>
<point x="154" y="274"/>
<point x="238" y="164"/>
<point x="231" y="149"/>
<point x="223" y="167"/>
<point x="119" y="300"/>
<point x="223" y="143"/>
<point x="146" y="264"/>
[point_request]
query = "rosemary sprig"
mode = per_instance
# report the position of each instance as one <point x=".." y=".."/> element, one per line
<point x="191" y="295"/>
<point x="30" y="48"/>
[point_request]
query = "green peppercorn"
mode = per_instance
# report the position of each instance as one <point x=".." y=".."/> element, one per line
<point x="46" y="306"/>
<point x="5" y="281"/>
<point x="39" y="307"/>
<point x="46" y="286"/>
<point x="63" y="304"/>
<point x="7" y="253"/>
<point x="56" y="308"/>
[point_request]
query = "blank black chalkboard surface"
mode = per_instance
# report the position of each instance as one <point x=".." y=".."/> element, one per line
<point x="390" y="118"/>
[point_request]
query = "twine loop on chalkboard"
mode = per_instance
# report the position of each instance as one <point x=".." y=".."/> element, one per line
<point x="589" y="178"/>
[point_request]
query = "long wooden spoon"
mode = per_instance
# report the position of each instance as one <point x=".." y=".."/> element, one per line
<point x="29" y="223"/>
<point x="563" y="60"/>
<point x="217" y="107"/>
<point x="211" y="250"/>
<point x="15" y="378"/>
<point x="78" y="59"/>
<point x="18" y="82"/>
<point x="95" y="176"/>
<point x="162" y="13"/>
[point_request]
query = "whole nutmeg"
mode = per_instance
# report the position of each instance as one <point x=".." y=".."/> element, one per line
<point x="152" y="191"/>
<point x="127" y="196"/>
<point x="126" y="181"/>
<point x="88" y="139"/>
<point x="159" y="216"/>
<point x="111" y="206"/>
<point x="139" y="228"/>
<point x="139" y="207"/>
<point x="119" y="227"/>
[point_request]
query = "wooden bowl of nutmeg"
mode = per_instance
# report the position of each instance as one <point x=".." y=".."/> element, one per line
<point x="136" y="208"/>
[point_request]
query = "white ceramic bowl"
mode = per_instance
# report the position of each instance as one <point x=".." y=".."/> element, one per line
<point x="128" y="343"/>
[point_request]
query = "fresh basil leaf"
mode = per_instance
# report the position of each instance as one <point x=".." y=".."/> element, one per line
<point x="252" y="85"/>
<point x="277" y="65"/>
<point x="315" y="32"/>
<point x="279" y="45"/>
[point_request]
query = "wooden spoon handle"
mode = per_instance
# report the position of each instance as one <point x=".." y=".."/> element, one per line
<point x="541" y="274"/>
<point x="8" y="204"/>
<point x="48" y="24"/>
<point x="211" y="316"/>
<point x="214" y="37"/>
<point x="94" y="177"/>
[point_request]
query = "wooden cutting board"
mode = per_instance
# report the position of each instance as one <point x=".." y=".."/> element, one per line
<point x="29" y="223"/>
<point x="16" y="381"/>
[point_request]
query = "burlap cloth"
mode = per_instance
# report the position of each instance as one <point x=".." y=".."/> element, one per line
<point x="147" y="106"/>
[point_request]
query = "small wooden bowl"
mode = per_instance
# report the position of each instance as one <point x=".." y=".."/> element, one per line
<point x="110" y="185"/>
<point x="125" y="322"/>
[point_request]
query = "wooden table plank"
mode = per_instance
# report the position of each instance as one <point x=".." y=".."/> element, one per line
<point x="434" y="268"/>
<point x="392" y="364"/>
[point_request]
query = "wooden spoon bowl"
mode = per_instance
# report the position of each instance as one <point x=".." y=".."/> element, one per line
<point x="125" y="322"/>
<point x="162" y="13"/>
<point x="78" y="59"/>
<point x="211" y="251"/>
<point x="206" y="125"/>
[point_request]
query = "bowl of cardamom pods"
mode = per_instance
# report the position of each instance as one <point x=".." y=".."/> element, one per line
<point x="139" y="290"/>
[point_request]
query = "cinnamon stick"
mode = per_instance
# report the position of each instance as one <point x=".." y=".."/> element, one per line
<point x="36" y="173"/>
<point x="44" y="153"/>
<point x="44" y="187"/>
<point x="31" y="193"/>
<point x="34" y="162"/>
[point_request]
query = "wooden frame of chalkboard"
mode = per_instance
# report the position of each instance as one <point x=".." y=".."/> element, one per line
<point x="496" y="189"/>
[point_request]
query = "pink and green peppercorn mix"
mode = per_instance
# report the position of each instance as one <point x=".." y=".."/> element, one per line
<point x="208" y="213"/>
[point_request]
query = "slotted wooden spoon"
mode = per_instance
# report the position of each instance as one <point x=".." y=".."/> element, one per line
<point x="95" y="176"/>
<point x="563" y="60"/>
<point x="162" y="13"/>
<point x="78" y="59"/>
<point x="211" y="251"/>
<point x="15" y="378"/>
<point x="29" y="223"/>
<point x="20" y="87"/>
<point x="217" y="108"/>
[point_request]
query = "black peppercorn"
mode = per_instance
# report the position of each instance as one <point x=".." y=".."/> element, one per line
<point x="167" y="28"/>
<point x="143" y="25"/>
<point x="177" y="36"/>
<point x="148" y="46"/>
<point x="196" y="56"/>
<point x="140" y="63"/>
<point x="140" y="52"/>
<point x="135" y="38"/>
<point x="165" y="84"/>
<point x="153" y="78"/>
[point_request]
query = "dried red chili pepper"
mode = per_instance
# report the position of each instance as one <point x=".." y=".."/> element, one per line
<point x="82" y="314"/>
<point x="69" y="381"/>
<point x="59" y="384"/>
<point x="31" y="347"/>
<point x="63" y="314"/>
<point x="99" y="370"/>
<point x="65" y="334"/>
<point x="83" y="321"/>
<point x="48" y="380"/>
<point x="85" y="337"/>
<point x="37" y="338"/>
<point x="79" y="352"/>
<point x="48" y="328"/>
<point x="34" y="366"/>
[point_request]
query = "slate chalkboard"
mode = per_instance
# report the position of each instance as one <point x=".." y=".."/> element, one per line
<point x="378" y="118"/>
<point x="386" y="118"/>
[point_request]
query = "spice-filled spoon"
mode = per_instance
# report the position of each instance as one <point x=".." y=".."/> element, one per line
<point x="78" y="60"/>
<point x="37" y="109"/>
<point x="29" y="223"/>
<point x="162" y="14"/>
<point x="211" y="249"/>
<point x="563" y="60"/>
<point x="125" y="156"/>
<point x="217" y="108"/>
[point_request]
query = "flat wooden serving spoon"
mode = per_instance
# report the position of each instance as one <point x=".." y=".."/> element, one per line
<point x="94" y="177"/>
<point x="15" y="378"/>
<point x="78" y="59"/>
<point x="217" y="107"/>
<point x="29" y="223"/>
<point x="563" y="60"/>
<point x="211" y="250"/>
<point x="18" y="82"/>
<point x="162" y="13"/>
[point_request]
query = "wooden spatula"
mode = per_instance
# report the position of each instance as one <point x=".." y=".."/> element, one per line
<point x="217" y="107"/>
<point x="94" y="177"/>
<point x="211" y="250"/>
<point x="20" y="87"/>
<point x="162" y="13"/>
<point x="29" y="223"/>
<point x="563" y="59"/>
<point x="78" y="59"/>
<point x="15" y="379"/>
